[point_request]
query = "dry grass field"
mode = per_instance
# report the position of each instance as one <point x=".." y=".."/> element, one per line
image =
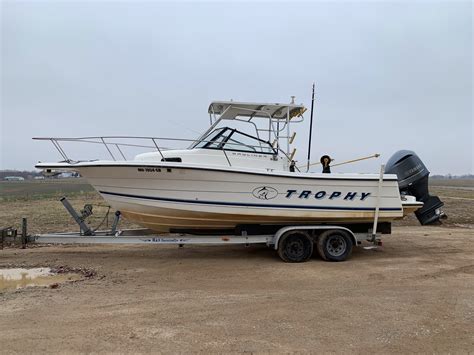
<point x="38" y="201"/>
<point x="416" y="294"/>
<point x="458" y="197"/>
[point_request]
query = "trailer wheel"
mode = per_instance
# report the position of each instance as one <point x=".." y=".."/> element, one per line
<point x="334" y="245"/>
<point x="295" y="247"/>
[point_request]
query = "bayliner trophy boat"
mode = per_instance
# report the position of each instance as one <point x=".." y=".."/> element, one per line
<point x="239" y="174"/>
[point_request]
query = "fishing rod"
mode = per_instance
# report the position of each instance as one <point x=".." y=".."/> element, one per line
<point x="345" y="162"/>
<point x="359" y="159"/>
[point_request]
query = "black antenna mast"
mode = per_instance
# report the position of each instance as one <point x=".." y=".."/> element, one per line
<point x="310" y="129"/>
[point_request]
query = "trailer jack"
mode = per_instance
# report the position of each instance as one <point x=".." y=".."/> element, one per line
<point x="80" y="218"/>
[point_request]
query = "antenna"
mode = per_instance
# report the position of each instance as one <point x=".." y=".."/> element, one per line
<point x="310" y="130"/>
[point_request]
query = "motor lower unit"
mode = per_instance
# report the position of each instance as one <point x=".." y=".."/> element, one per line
<point x="413" y="180"/>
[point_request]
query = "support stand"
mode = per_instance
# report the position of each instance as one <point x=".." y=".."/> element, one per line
<point x="85" y="230"/>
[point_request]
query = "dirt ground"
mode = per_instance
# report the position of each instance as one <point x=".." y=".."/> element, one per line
<point x="414" y="295"/>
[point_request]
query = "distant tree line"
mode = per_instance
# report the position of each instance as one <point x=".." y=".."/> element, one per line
<point x="27" y="175"/>
<point x="24" y="174"/>
<point x="449" y="176"/>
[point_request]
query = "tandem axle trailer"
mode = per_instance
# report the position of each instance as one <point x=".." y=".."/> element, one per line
<point x="293" y="243"/>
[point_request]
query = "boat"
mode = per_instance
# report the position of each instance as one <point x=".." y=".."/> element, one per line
<point x="240" y="172"/>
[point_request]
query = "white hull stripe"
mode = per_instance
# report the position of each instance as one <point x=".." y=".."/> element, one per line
<point x="243" y="204"/>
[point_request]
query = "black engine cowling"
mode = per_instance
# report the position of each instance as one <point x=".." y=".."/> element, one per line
<point x="413" y="180"/>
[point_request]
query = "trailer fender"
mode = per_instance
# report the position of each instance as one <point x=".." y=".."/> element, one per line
<point x="282" y="231"/>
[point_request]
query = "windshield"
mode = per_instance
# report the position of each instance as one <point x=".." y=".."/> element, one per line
<point x="232" y="139"/>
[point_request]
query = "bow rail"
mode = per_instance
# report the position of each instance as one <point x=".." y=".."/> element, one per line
<point x="116" y="143"/>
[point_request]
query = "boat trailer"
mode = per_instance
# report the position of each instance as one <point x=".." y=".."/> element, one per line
<point x="293" y="243"/>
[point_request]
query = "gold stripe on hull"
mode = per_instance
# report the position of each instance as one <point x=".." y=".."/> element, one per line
<point x="165" y="219"/>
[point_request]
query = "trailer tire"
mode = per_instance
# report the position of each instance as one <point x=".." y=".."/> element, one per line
<point x="295" y="247"/>
<point x="334" y="245"/>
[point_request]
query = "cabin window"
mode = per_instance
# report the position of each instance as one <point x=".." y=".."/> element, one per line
<point x="209" y="138"/>
<point x="234" y="140"/>
<point x="243" y="142"/>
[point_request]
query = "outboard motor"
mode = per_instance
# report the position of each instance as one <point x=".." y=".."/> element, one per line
<point x="413" y="180"/>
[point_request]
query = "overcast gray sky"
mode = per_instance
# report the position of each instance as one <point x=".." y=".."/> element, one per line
<point x="389" y="75"/>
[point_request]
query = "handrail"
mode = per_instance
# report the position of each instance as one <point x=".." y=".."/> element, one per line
<point x="153" y="139"/>
<point x="158" y="148"/>
<point x="103" y="140"/>
<point x="107" y="137"/>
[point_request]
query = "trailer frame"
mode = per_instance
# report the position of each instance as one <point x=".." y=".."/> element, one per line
<point x="145" y="236"/>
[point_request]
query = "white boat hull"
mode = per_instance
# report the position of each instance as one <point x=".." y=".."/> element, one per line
<point x="166" y="196"/>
